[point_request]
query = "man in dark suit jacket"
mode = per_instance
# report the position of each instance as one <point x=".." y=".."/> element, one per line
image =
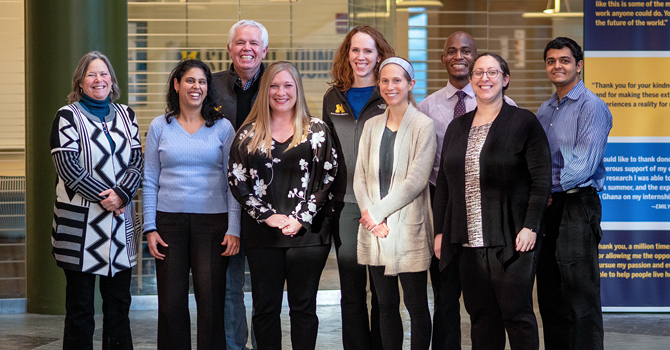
<point x="237" y="88"/>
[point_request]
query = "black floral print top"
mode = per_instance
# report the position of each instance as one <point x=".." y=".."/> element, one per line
<point x="294" y="182"/>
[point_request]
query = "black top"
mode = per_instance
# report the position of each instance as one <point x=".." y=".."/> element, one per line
<point x="224" y="86"/>
<point x="386" y="161"/>
<point x="245" y="100"/>
<point x="515" y="181"/>
<point x="295" y="182"/>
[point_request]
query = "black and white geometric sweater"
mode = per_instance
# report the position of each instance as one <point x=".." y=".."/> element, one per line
<point x="86" y="237"/>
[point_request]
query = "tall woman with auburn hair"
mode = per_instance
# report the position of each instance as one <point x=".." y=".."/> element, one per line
<point x="351" y="101"/>
<point x="282" y="164"/>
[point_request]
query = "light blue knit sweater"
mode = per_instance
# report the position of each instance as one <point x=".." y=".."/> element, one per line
<point x="187" y="173"/>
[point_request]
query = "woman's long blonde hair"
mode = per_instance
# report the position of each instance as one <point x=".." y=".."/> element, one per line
<point x="260" y="115"/>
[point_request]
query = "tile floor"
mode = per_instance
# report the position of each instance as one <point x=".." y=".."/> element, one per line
<point x="32" y="331"/>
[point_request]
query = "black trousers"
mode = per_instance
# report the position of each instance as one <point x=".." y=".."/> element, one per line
<point x="300" y="268"/>
<point x="415" y="297"/>
<point x="499" y="298"/>
<point x="79" y="310"/>
<point x="358" y="332"/>
<point x="568" y="275"/>
<point x="447" y="307"/>
<point x="194" y="244"/>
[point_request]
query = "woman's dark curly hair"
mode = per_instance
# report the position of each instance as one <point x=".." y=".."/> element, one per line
<point x="209" y="109"/>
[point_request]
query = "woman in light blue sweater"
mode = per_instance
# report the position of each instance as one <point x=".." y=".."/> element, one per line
<point x="191" y="220"/>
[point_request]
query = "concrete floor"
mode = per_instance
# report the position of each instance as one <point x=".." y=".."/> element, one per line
<point x="31" y="331"/>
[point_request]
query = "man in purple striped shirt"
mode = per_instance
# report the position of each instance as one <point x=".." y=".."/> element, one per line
<point x="577" y="124"/>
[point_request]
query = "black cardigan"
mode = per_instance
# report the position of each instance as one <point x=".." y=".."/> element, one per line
<point x="515" y="180"/>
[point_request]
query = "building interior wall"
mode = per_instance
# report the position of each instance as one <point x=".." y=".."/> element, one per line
<point x="305" y="32"/>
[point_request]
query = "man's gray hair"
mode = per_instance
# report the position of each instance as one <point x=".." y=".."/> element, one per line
<point x="249" y="23"/>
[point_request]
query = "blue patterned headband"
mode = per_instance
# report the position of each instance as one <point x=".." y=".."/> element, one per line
<point x="401" y="62"/>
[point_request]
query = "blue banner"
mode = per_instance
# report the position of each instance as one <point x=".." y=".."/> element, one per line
<point x="627" y="46"/>
<point x="626" y="25"/>
<point x="635" y="268"/>
<point x="637" y="185"/>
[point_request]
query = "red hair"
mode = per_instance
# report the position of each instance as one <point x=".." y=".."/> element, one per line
<point x="343" y="75"/>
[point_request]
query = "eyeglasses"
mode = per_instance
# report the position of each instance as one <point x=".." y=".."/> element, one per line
<point x="492" y="74"/>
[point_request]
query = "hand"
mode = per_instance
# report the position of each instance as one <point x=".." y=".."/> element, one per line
<point x="549" y="201"/>
<point x="291" y="227"/>
<point x="232" y="244"/>
<point x="525" y="240"/>
<point x="112" y="202"/>
<point x="381" y="230"/>
<point x="153" y="239"/>
<point x="367" y="221"/>
<point x="438" y="245"/>
<point x="118" y="212"/>
<point x="276" y="220"/>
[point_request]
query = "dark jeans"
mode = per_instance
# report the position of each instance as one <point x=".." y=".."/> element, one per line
<point x="235" y="314"/>
<point x="415" y="296"/>
<point x="79" y="310"/>
<point x="447" y="307"/>
<point x="568" y="279"/>
<point x="300" y="268"/>
<point x="194" y="244"/>
<point x="357" y="331"/>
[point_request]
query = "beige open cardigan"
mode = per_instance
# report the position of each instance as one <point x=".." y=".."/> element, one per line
<point x="406" y="208"/>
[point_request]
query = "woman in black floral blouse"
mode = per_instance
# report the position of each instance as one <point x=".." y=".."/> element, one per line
<point x="281" y="166"/>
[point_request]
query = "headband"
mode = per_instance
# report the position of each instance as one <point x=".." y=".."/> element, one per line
<point x="401" y="62"/>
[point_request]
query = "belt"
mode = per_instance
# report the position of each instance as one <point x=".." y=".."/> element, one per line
<point x="581" y="190"/>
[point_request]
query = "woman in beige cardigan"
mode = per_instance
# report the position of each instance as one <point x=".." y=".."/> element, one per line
<point x="395" y="237"/>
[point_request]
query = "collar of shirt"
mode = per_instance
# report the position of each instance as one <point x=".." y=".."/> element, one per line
<point x="451" y="91"/>
<point x="238" y="80"/>
<point x="439" y="107"/>
<point x="574" y="94"/>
